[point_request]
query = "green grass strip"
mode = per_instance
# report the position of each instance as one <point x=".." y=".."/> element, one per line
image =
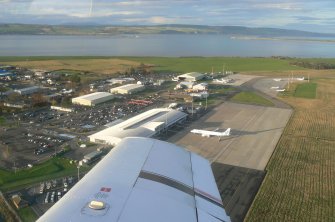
<point x="306" y="90"/>
<point x="27" y="214"/>
<point x="251" y="98"/>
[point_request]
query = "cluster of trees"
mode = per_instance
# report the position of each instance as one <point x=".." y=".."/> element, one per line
<point x="313" y="65"/>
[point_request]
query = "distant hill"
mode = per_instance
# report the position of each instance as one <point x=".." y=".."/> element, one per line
<point x="21" y="29"/>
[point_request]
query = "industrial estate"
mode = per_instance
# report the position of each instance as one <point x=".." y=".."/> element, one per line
<point x="252" y="127"/>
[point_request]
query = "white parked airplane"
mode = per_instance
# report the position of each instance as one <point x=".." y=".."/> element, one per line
<point x="300" y="79"/>
<point x="277" y="80"/>
<point x="136" y="181"/>
<point x="275" y="87"/>
<point x="280" y="90"/>
<point x="208" y="133"/>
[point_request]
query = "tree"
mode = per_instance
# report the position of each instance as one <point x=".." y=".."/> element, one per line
<point x="14" y="97"/>
<point x="75" y="78"/>
<point x="53" y="102"/>
<point x="2" y="120"/>
<point x="37" y="99"/>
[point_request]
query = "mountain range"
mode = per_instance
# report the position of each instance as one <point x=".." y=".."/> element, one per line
<point x="24" y="29"/>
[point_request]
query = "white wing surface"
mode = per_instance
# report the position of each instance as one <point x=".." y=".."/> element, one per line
<point x="143" y="179"/>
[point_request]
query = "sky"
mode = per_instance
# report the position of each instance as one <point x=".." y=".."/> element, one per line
<point x="307" y="15"/>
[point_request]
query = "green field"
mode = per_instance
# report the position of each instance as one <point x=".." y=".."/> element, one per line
<point x="205" y="64"/>
<point x="251" y="98"/>
<point x="27" y="214"/>
<point x="165" y="64"/>
<point x="56" y="167"/>
<point x="306" y="90"/>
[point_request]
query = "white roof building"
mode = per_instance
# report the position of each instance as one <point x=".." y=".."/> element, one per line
<point x="120" y="80"/>
<point x="191" y="76"/>
<point x="147" y="180"/>
<point x="146" y="124"/>
<point x="201" y="86"/>
<point x="127" y="89"/>
<point x="28" y="90"/>
<point x="93" y="99"/>
<point x="201" y="95"/>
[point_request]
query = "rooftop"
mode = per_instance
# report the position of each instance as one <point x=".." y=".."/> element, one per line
<point x="192" y="74"/>
<point x="143" y="125"/>
<point x="94" y="96"/>
<point x="128" y="86"/>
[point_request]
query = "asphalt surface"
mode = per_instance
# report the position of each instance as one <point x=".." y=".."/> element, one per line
<point x="238" y="187"/>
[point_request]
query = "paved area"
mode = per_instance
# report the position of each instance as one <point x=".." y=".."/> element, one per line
<point x="239" y="79"/>
<point x="238" y="187"/>
<point x="255" y="133"/>
<point x="269" y="86"/>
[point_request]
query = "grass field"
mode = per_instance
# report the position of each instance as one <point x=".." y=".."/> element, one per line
<point x="108" y="65"/>
<point x="27" y="214"/>
<point x="251" y="98"/>
<point x="99" y="66"/>
<point x="55" y="167"/>
<point x="306" y="90"/>
<point x="300" y="180"/>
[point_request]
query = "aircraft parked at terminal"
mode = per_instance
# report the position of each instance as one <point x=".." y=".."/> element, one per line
<point x="208" y="133"/>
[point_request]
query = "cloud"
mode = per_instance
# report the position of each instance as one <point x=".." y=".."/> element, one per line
<point x="152" y="20"/>
<point x="280" y="6"/>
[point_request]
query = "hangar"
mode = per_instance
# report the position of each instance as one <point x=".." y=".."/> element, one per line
<point x="191" y="76"/>
<point x="92" y="99"/>
<point x="146" y="124"/>
<point x="127" y="89"/>
<point x="28" y="90"/>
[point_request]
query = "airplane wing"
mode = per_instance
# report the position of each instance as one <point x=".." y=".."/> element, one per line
<point x="143" y="179"/>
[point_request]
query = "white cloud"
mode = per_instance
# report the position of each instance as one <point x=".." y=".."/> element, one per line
<point x="281" y="6"/>
<point x="153" y="20"/>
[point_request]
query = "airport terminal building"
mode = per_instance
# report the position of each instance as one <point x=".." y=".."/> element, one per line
<point x="146" y="124"/>
<point x="93" y="99"/>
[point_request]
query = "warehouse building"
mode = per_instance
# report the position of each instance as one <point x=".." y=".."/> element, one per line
<point x="191" y="76"/>
<point x="28" y="90"/>
<point x="93" y="99"/>
<point x="146" y="124"/>
<point x="127" y="89"/>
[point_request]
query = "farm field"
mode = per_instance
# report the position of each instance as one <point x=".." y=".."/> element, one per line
<point x="300" y="180"/>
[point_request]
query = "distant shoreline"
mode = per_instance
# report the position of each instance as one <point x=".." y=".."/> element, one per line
<point x="283" y="39"/>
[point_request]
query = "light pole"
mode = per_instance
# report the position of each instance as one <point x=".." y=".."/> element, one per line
<point x="78" y="167"/>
